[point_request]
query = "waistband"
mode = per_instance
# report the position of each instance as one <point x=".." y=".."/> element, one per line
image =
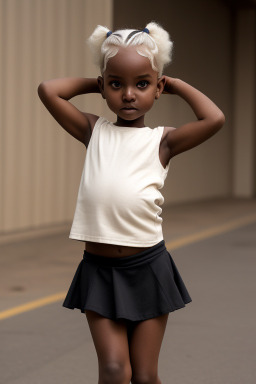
<point x="127" y="261"/>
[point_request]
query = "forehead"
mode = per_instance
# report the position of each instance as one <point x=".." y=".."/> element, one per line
<point x="128" y="61"/>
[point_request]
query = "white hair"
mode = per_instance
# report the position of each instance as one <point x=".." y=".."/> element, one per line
<point x="153" y="42"/>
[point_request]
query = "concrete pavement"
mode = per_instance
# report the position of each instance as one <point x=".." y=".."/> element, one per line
<point x="211" y="341"/>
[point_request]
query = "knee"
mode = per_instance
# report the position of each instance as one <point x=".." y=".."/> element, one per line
<point x="115" y="373"/>
<point x="145" y="378"/>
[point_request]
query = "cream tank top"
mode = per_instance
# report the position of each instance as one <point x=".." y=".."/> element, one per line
<point x="119" y="199"/>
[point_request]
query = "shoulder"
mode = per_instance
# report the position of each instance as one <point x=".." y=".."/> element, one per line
<point x="95" y="122"/>
<point x="91" y="118"/>
<point x="166" y="132"/>
<point x="164" y="147"/>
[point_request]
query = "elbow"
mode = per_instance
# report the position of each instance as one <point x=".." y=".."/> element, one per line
<point x="44" y="91"/>
<point x="219" y="121"/>
<point x="41" y="89"/>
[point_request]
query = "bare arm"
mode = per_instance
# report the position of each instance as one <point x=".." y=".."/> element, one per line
<point x="55" y="95"/>
<point x="209" y="118"/>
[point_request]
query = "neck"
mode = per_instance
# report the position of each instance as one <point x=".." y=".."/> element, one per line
<point x="138" y="123"/>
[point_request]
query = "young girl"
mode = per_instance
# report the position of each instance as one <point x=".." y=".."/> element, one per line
<point x="127" y="282"/>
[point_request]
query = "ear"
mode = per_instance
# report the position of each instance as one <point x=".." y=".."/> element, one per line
<point x="101" y="86"/>
<point x="160" y="86"/>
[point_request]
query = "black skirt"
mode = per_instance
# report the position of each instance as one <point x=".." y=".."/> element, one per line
<point x="136" y="287"/>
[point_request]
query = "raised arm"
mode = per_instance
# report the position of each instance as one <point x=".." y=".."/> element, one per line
<point x="209" y="118"/>
<point x="55" y="95"/>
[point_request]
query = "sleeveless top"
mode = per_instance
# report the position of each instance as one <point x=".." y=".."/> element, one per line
<point x="119" y="199"/>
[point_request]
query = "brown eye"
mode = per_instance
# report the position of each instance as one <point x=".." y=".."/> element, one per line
<point x="143" y="84"/>
<point x="115" y="84"/>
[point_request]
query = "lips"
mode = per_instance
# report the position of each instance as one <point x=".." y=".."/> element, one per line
<point x="129" y="109"/>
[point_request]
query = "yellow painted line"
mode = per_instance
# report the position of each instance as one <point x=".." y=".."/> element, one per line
<point x="32" y="305"/>
<point x="175" y="244"/>
<point x="211" y="232"/>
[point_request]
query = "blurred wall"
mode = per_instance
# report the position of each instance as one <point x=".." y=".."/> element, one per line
<point x="40" y="163"/>
<point x="244" y="106"/>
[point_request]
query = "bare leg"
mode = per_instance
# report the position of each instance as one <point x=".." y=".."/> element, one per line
<point x="111" y="344"/>
<point x="145" y="345"/>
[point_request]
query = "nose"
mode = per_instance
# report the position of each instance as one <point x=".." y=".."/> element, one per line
<point x="129" y="94"/>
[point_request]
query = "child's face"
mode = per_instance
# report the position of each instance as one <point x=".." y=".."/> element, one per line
<point x="130" y="86"/>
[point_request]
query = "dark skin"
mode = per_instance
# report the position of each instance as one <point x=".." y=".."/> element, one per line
<point x="55" y="95"/>
<point x="130" y="87"/>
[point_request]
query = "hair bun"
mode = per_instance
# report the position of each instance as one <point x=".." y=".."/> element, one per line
<point x="163" y="41"/>
<point x="96" y="40"/>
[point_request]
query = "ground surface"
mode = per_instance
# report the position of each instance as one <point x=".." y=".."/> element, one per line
<point x="211" y="341"/>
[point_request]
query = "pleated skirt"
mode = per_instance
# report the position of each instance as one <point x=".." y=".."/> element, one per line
<point x="137" y="287"/>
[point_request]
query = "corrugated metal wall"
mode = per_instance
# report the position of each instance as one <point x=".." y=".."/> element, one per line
<point x="40" y="163"/>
